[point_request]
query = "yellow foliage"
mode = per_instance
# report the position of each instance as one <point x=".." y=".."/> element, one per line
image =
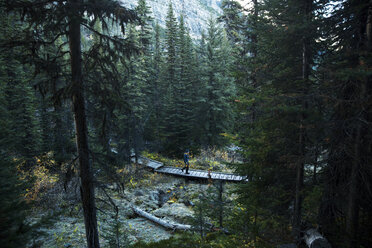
<point x="132" y="182"/>
<point x="43" y="179"/>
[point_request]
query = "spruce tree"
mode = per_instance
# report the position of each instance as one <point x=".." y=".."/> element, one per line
<point x="219" y="87"/>
<point x="153" y="128"/>
<point x="173" y="108"/>
<point x="346" y="87"/>
<point x="280" y="131"/>
<point x="14" y="232"/>
<point x="51" y="20"/>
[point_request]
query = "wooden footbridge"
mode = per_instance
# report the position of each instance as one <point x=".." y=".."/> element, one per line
<point x="159" y="167"/>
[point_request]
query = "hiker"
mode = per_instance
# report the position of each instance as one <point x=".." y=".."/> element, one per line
<point x="186" y="160"/>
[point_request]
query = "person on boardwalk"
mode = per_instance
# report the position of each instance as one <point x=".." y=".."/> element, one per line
<point x="186" y="161"/>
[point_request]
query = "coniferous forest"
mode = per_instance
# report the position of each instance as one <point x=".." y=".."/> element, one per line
<point x="277" y="92"/>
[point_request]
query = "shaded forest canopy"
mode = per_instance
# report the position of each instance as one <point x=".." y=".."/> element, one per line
<point x="87" y="86"/>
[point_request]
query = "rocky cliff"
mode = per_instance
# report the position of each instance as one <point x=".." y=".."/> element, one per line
<point x="196" y="12"/>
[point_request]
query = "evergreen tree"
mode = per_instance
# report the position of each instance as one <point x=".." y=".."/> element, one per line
<point x="171" y="56"/>
<point x="280" y="132"/>
<point x="156" y="97"/>
<point x="174" y="126"/>
<point x="219" y="87"/>
<point x="233" y="20"/>
<point x="20" y="99"/>
<point x="21" y="102"/>
<point x="51" y="20"/>
<point x="346" y="87"/>
<point x="14" y="232"/>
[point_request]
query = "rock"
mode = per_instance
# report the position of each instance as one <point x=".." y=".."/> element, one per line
<point x="189" y="203"/>
<point x="149" y="205"/>
<point x="145" y="230"/>
<point x="138" y="193"/>
<point x="176" y="211"/>
<point x="163" y="197"/>
<point x="197" y="12"/>
<point x="154" y="196"/>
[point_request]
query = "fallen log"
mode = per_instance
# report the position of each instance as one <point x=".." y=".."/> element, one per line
<point x="161" y="222"/>
<point x="314" y="239"/>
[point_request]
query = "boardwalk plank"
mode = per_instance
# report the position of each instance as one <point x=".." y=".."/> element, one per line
<point x="204" y="175"/>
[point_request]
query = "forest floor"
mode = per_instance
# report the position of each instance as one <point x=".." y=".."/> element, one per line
<point x="166" y="197"/>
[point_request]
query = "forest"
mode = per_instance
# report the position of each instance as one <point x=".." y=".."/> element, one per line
<point x="272" y="102"/>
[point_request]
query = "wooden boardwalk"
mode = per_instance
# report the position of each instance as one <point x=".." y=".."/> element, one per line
<point x="153" y="164"/>
<point x="196" y="174"/>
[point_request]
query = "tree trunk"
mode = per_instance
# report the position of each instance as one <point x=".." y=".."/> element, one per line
<point x="353" y="206"/>
<point x="315" y="165"/>
<point x="254" y="55"/>
<point x="301" y="141"/>
<point x="166" y="224"/>
<point x="220" y="202"/>
<point x="369" y="27"/>
<point x="299" y="186"/>
<point x="352" y="217"/>
<point x="86" y="175"/>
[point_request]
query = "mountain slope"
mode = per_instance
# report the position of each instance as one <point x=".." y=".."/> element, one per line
<point x="196" y="12"/>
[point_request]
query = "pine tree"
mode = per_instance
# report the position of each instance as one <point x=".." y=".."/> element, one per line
<point x="346" y="83"/>
<point x="219" y="87"/>
<point x="156" y="97"/>
<point x="280" y="131"/>
<point x="14" y="232"/>
<point x="20" y="100"/>
<point x="171" y="43"/>
<point x="51" y="20"/>
<point x="174" y="134"/>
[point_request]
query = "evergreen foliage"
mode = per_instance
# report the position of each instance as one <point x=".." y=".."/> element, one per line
<point x="14" y="231"/>
<point x="346" y="88"/>
<point x="219" y="87"/>
<point x="285" y="132"/>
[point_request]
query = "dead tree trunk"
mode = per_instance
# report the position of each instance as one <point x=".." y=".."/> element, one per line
<point x="86" y="175"/>
<point x="166" y="224"/>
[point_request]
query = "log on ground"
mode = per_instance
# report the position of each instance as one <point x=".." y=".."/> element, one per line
<point x="166" y="224"/>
